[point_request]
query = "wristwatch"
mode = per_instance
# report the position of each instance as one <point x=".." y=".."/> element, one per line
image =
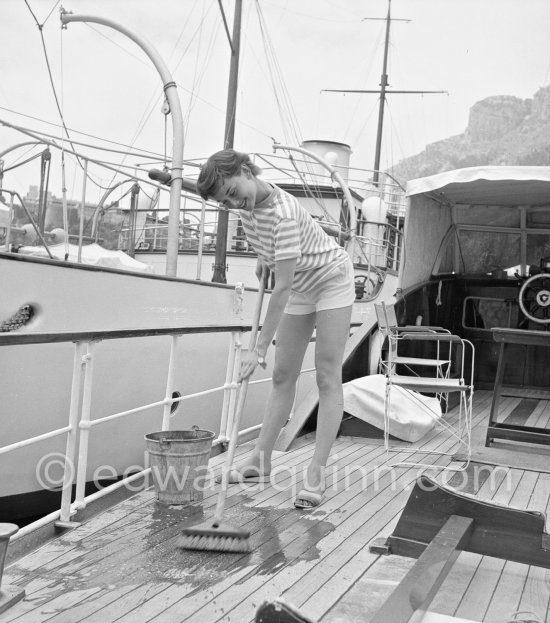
<point x="261" y="360"/>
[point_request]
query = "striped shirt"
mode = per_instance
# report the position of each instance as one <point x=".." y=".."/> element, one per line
<point x="279" y="228"/>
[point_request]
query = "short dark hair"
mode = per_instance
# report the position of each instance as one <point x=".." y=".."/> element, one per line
<point x="219" y="166"/>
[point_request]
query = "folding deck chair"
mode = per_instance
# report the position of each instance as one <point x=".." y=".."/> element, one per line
<point x="447" y="376"/>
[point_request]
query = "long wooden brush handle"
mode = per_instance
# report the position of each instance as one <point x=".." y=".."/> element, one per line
<point x="234" y="437"/>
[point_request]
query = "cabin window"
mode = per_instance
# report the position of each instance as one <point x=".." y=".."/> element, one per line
<point x="497" y="216"/>
<point x="538" y="217"/>
<point x="538" y="247"/>
<point x="486" y="251"/>
<point x="486" y="313"/>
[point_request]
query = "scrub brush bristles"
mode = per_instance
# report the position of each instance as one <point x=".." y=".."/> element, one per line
<point x="214" y="538"/>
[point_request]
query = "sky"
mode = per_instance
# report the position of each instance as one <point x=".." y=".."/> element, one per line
<point x="291" y="50"/>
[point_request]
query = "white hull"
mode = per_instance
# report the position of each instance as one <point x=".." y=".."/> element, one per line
<point x="69" y="297"/>
<point x="36" y="379"/>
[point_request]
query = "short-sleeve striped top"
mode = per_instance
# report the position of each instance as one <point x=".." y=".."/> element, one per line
<point x="279" y="228"/>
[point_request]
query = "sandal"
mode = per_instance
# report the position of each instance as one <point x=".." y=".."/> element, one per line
<point x="235" y="476"/>
<point x="308" y="499"/>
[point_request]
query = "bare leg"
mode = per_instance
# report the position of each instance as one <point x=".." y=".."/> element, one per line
<point x="332" y="334"/>
<point x="293" y="336"/>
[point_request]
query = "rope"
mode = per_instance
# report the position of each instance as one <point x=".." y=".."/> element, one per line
<point x="307" y="188"/>
<point x="19" y="164"/>
<point x="21" y="317"/>
<point x="438" y="298"/>
<point x="99" y="138"/>
<point x="288" y="117"/>
<point x="59" y="108"/>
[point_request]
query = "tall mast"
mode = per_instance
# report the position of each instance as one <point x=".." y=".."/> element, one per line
<point x="382" y="92"/>
<point x="383" y="85"/>
<point x="229" y="135"/>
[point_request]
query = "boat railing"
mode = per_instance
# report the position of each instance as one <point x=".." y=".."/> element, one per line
<point x="80" y="423"/>
<point x="299" y="169"/>
<point x="21" y="230"/>
<point x="378" y="244"/>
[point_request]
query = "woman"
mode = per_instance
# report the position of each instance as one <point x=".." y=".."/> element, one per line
<point x="314" y="287"/>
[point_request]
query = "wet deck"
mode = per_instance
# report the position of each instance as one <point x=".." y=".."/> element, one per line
<point x="123" y="565"/>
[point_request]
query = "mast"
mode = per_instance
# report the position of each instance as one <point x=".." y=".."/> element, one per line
<point x="383" y="85"/>
<point x="382" y="92"/>
<point x="218" y="275"/>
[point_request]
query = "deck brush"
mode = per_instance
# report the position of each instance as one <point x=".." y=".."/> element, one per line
<point x="214" y="535"/>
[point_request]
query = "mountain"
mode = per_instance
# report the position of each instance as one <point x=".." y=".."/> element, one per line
<point x="502" y="130"/>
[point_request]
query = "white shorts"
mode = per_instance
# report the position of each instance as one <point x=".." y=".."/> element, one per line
<point x="337" y="290"/>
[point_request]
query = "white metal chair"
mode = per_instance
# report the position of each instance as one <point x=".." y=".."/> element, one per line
<point x="388" y="327"/>
<point x="449" y="369"/>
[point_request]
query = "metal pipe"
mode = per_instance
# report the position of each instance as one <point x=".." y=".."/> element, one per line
<point x="8" y="230"/>
<point x="170" y="383"/>
<point x="81" y="225"/>
<point x="229" y="135"/>
<point x="132" y="221"/>
<point x="201" y="240"/>
<point x="13" y="193"/>
<point x="99" y="207"/>
<point x="84" y="426"/>
<point x="228" y="391"/>
<point x="171" y="93"/>
<point x="28" y="442"/>
<point x="70" y="448"/>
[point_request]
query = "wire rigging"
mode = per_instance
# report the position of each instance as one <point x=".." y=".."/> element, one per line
<point x="59" y="109"/>
<point x="286" y="110"/>
<point x="360" y="98"/>
<point x="99" y="138"/>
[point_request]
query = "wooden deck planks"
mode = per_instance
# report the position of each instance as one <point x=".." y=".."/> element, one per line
<point x="208" y="615"/>
<point x="231" y="562"/>
<point x="478" y="596"/>
<point x="123" y="565"/>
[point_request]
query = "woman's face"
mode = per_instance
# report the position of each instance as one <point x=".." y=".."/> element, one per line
<point x="238" y="192"/>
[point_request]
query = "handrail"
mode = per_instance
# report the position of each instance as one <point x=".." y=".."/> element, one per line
<point x="81" y="399"/>
<point x="12" y="339"/>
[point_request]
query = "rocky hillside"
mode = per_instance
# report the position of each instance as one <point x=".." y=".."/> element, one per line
<point x="502" y="130"/>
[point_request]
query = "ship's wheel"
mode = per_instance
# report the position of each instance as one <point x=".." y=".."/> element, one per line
<point x="534" y="298"/>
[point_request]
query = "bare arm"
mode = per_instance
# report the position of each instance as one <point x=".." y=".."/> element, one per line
<point x="284" y="276"/>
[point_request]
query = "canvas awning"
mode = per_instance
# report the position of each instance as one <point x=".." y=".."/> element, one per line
<point x="488" y="185"/>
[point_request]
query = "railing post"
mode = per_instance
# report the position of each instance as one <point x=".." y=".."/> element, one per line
<point x="235" y="388"/>
<point x="170" y="383"/>
<point x="68" y="474"/>
<point x="82" y="208"/>
<point x="9" y="595"/>
<point x="8" y="230"/>
<point x="230" y="386"/>
<point x="201" y="240"/>
<point x="84" y="426"/>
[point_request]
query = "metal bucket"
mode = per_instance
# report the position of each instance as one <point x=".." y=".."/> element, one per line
<point x="179" y="462"/>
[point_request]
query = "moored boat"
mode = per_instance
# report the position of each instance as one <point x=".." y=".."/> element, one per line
<point x="54" y="296"/>
<point x="124" y="563"/>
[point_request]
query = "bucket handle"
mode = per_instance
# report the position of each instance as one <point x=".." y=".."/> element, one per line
<point x="164" y="443"/>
